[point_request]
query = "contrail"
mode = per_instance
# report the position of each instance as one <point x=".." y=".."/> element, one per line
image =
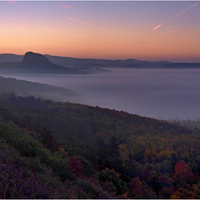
<point x="76" y="20"/>
<point x="187" y="9"/>
<point x="175" y="16"/>
<point x="98" y="26"/>
<point x="158" y="26"/>
<point x="70" y="18"/>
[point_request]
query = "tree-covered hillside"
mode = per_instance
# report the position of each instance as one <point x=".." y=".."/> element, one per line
<point x="64" y="150"/>
<point x="44" y="91"/>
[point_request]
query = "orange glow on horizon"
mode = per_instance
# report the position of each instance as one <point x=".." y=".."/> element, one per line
<point x="96" y="31"/>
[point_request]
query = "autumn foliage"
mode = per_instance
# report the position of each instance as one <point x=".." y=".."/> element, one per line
<point x="90" y="152"/>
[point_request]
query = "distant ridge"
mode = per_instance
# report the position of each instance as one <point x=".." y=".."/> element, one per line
<point x="182" y="65"/>
<point x="7" y="57"/>
<point x="36" y="63"/>
<point x="132" y="66"/>
<point x="89" y="62"/>
<point x="55" y="64"/>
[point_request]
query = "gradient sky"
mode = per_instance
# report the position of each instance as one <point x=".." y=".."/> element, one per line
<point x="115" y="30"/>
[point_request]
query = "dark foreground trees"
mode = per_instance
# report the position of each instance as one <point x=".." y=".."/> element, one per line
<point x="64" y="150"/>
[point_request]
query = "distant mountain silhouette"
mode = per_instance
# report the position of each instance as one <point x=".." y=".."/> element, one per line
<point x="35" y="58"/>
<point x="36" y="63"/>
<point x="6" y="57"/>
<point x="132" y="66"/>
<point x="88" y="62"/>
<point x="182" y="65"/>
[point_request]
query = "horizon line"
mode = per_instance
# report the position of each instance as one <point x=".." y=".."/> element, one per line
<point x="122" y="59"/>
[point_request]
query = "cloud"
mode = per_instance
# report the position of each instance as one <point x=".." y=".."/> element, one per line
<point x="70" y="18"/>
<point x="175" y="16"/>
<point x="92" y="24"/>
<point x="98" y="26"/>
<point x="12" y="1"/>
<point x="65" y="6"/>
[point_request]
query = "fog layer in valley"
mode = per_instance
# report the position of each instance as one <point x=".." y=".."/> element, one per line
<point x="157" y="93"/>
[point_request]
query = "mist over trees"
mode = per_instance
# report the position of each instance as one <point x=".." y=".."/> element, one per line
<point x="44" y="91"/>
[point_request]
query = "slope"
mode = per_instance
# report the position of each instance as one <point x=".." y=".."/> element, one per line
<point x="36" y="63"/>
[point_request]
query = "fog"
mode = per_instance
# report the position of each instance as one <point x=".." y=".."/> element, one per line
<point x="156" y="93"/>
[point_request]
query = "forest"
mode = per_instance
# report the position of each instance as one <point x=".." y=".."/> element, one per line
<point x="65" y="150"/>
<point x="38" y="90"/>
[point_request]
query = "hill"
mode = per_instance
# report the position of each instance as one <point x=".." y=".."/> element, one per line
<point x="43" y="91"/>
<point x="182" y="65"/>
<point x="65" y="150"/>
<point x="79" y="62"/>
<point x="88" y="65"/>
<point x="85" y="65"/>
<point x="36" y="63"/>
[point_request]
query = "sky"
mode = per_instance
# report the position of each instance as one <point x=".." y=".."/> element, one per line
<point x="143" y="30"/>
